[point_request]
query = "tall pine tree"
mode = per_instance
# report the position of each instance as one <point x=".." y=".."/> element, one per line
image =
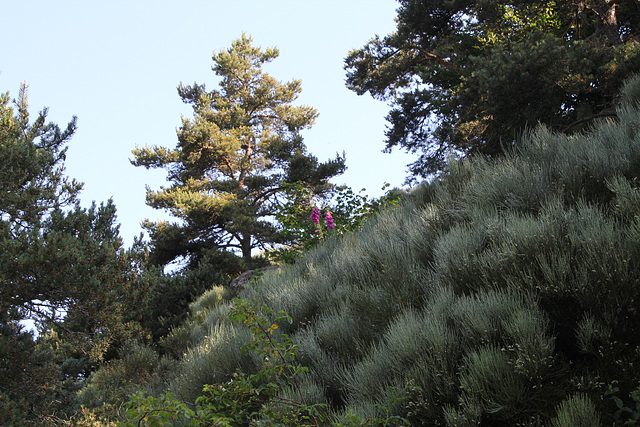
<point x="61" y="266"/>
<point x="232" y="160"/>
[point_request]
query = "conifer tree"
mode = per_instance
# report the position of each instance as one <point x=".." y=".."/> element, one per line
<point x="471" y="76"/>
<point x="61" y="266"/>
<point x="232" y="160"/>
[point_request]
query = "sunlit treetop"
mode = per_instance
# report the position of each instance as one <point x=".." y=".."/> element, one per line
<point x="232" y="158"/>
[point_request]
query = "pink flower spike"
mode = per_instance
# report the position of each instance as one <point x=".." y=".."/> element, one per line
<point x="315" y="215"/>
<point x="330" y="223"/>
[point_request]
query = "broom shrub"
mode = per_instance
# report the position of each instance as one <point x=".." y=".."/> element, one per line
<point x="504" y="292"/>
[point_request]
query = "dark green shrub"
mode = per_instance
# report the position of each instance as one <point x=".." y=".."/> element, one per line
<point x="138" y="367"/>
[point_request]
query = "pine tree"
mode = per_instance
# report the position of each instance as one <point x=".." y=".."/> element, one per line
<point x="471" y="76"/>
<point x="33" y="186"/>
<point x="232" y="160"/>
<point x="61" y="266"/>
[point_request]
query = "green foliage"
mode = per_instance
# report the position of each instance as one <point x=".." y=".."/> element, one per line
<point x="498" y="290"/>
<point x="576" y="411"/>
<point x="232" y="160"/>
<point x="61" y="266"/>
<point x="241" y="400"/>
<point x="505" y="292"/>
<point x="167" y="303"/>
<point x="625" y="415"/>
<point x="342" y="211"/>
<point x="454" y="72"/>
<point x="140" y="367"/>
<point x="276" y="394"/>
<point x="11" y="412"/>
<point x="29" y="378"/>
<point x="165" y="410"/>
<point x="113" y="383"/>
<point x="205" y="313"/>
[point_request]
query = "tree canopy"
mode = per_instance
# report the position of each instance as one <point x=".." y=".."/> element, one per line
<point x="470" y="76"/>
<point x="232" y="159"/>
<point x="61" y="266"/>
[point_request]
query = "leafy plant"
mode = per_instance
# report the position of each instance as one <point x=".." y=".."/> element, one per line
<point x="624" y="415"/>
<point x="257" y="398"/>
<point x="307" y="219"/>
<point x="245" y="398"/>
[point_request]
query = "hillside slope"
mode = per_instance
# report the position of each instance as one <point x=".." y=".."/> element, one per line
<point x="505" y="292"/>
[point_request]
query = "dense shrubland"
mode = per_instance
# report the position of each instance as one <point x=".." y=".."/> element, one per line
<point x="503" y="293"/>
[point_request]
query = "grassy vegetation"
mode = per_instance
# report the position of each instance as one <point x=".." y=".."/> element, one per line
<point x="503" y="293"/>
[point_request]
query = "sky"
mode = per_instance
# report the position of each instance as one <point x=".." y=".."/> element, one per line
<point x="116" y="66"/>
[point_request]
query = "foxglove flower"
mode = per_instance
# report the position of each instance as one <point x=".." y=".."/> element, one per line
<point x="330" y="223"/>
<point x="315" y="215"/>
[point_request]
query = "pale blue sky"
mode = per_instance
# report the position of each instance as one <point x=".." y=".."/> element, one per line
<point x="116" y="65"/>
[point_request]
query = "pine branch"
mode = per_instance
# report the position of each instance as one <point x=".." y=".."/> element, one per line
<point x="587" y="119"/>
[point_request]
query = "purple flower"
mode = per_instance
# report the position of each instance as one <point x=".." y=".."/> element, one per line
<point x="330" y="223"/>
<point x="315" y="215"/>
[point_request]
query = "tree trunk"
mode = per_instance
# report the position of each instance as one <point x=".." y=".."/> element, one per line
<point x="607" y="27"/>
<point x="246" y="246"/>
